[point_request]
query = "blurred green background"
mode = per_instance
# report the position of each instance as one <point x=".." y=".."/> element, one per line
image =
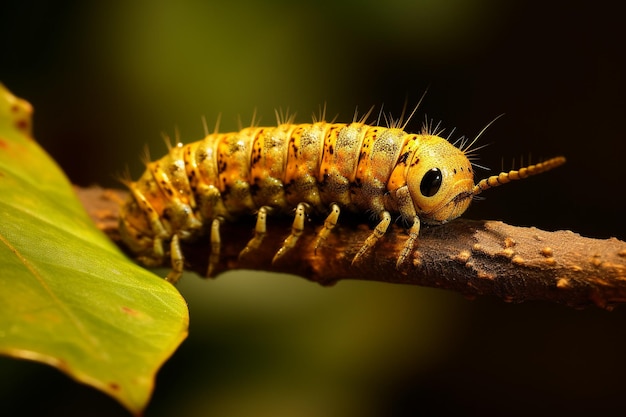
<point x="106" y="78"/>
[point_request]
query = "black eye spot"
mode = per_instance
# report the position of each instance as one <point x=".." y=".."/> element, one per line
<point x="431" y="182"/>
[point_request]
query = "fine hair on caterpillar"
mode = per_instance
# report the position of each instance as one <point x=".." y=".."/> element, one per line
<point x="319" y="168"/>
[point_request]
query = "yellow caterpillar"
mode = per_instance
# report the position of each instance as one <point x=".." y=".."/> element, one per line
<point x="321" y="168"/>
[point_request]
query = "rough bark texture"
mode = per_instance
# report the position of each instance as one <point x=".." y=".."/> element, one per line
<point x="472" y="257"/>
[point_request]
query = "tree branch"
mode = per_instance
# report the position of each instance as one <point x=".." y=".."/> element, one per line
<point x="472" y="257"/>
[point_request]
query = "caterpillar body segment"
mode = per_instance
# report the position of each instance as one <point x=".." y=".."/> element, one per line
<point x="317" y="168"/>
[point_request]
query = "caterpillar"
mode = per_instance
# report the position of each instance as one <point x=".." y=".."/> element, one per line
<point x="322" y="168"/>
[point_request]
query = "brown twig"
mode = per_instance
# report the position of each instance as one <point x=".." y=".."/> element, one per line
<point x="472" y="257"/>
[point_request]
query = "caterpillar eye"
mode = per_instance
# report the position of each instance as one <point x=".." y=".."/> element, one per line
<point x="431" y="182"/>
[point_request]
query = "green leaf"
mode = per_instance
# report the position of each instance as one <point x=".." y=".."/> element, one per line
<point x="68" y="296"/>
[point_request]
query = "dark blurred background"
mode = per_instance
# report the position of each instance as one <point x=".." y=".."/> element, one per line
<point x="107" y="78"/>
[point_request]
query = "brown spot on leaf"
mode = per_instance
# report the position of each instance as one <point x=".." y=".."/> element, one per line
<point x="129" y="311"/>
<point x="22" y="124"/>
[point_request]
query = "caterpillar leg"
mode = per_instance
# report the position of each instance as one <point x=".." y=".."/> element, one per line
<point x="216" y="244"/>
<point x="329" y="225"/>
<point x="259" y="232"/>
<point x="155" y="259"/>
<point x="157" y="227"/>
<point x="296" y="230"/>
<point x="160" y="233"/>
<point x="414" y="231"/>
<point x="178" y="261"/>
<point x="379" y="231"/>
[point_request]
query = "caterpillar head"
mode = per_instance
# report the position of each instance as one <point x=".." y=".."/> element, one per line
<point x="440" y="181"/>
